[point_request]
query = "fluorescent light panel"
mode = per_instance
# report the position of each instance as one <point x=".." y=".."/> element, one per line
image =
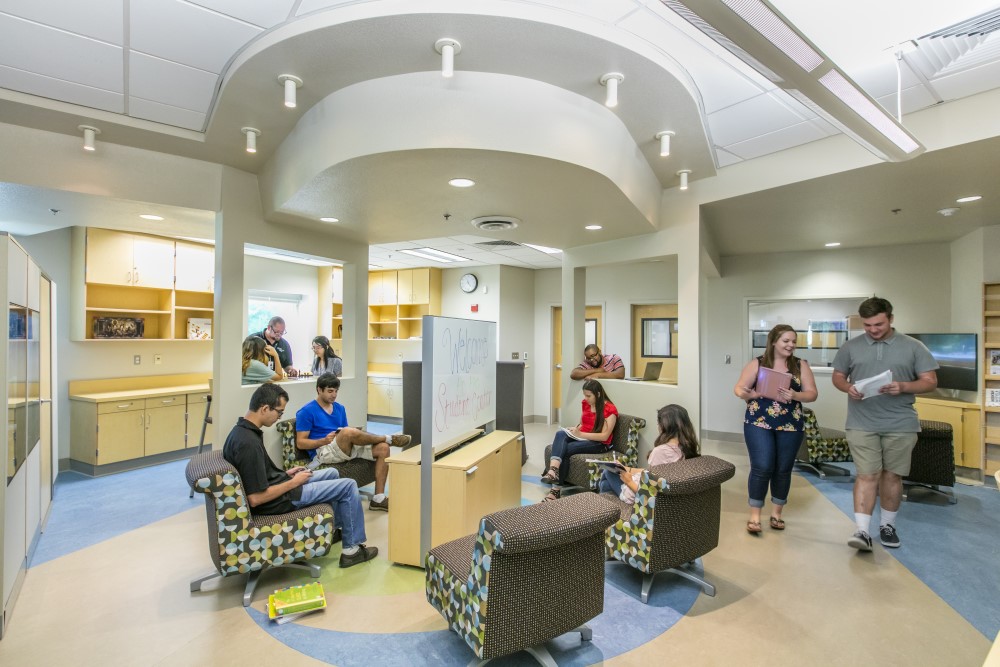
<point x="435" y="255"/>
<point x="776" y="31"/>
<point x="542" y="248"/>
<point x="848" y="93"/>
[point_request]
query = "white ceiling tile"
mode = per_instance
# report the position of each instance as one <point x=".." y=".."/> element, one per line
<point x="915" y="98"/>
<point x="61" y="55"/>
<point x="100" y="19"/>
<point x="773" y="142"/>
<point x="968" y="82"/>
<point x="170" y="83"/>
<point x="187" y="34"/>
<point x="56" y="89"/>
<point x="609" y="11"/>
<point x="469" y="238"/>
<point x="401" y="245"/>
<point x="264" y="13"/>
<point x="164" y="113"/>
<point x="752" y="118"/>
<point x="879" y="79"/>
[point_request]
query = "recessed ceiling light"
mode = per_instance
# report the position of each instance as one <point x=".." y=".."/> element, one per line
<point x="461" y="182"/>
<point x="832" y="245"/>
<point x="149" y="216"/>
<point x="329" y="219"/>
<point x="593" y="228"/>
<point x="966" y="200"/>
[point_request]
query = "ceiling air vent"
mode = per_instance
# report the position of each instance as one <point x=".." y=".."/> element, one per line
<point x="495" y="244"/>
<point x="964" y="46"/>
<point x="495" y="223"/>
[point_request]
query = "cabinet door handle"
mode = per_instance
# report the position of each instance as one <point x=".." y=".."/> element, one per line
<point x="137" y="276"/>
<point x="168" y="400"/>
<point x="128" y="277"/>
<point x="471" y="470"/>
<point x="126" y="405"/>
<point x="149" y="419"/>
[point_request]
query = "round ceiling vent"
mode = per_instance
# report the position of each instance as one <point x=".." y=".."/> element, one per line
<point x="495" y="223"/>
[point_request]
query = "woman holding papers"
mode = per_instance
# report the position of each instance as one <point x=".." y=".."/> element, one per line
<point x="677" y="441"/>
<point x="774" y="385"/>
<point x="591" y="436"/>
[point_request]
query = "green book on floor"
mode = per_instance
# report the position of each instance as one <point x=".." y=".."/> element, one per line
<point x="295" y="600"/>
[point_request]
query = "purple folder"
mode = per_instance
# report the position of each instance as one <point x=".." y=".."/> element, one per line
<point x="769" y="381"/>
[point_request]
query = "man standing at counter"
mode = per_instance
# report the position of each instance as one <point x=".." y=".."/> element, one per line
<point x="274" y="335"/>
<point x="597" y="366"/>
<point x="271" y="490"/>
<point x="321" y="431"/>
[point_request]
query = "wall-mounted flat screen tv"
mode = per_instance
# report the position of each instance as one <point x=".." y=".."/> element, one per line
<point x="957" y="354"/>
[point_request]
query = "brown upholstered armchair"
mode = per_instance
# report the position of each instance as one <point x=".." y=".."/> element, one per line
<point x="932" y="464"/>
<point x="361" y="471"/>
<point x="240" y="543"/>
<point x="496" y="588"/>
<point x="673" y="521"/>
<point x="625" y="444"/>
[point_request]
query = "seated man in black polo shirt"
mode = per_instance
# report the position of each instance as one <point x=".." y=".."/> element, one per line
<point x="274" y="335"/>
<point x="271" y="490"/>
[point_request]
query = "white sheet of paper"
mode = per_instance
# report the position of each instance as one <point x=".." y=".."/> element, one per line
<point x="869" y="387"/>
<point x="570" y="433"/>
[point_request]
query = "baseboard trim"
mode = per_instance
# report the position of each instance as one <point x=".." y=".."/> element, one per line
<point x="724" y="436"/>
<point x="535" y="419"/>
<point x="132" y="464"/>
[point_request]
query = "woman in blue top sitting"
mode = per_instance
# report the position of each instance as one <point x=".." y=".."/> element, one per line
<point x="773" y="428"/>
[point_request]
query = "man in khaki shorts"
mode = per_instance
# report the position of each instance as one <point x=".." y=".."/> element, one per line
<point x="881" y="428"/>
<point x="321" y="430"/>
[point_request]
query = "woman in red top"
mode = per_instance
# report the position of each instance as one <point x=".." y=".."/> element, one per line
<point x="591" y="436"/>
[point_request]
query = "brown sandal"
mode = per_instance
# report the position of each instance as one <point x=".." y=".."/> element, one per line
<point x="554" y="494"/>
<point x="777" y="524"/>
<point x="753" y="527"/>
<point x="551" y="476"/>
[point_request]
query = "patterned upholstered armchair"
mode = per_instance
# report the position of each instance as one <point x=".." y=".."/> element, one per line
<point x="624" y="442"/>
<point x="674" y="520"/>
<point x="361" y="471"/>
<point x="496" y="588"/>
<point x="240" y="543"/>
<point x="933" y="462"/>
<point x="821" y="446"/>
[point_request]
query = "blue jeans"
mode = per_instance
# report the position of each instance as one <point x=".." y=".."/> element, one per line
<point x="325" y="486"/>
<point x="610" y="482"/>
<point x="564" y="447"/>
<point x="772" y="456"/>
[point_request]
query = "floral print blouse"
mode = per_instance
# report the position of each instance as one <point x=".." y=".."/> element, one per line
<point x="765" y="413"/>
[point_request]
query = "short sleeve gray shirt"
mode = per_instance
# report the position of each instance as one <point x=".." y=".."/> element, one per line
<point x="861" y="357"/>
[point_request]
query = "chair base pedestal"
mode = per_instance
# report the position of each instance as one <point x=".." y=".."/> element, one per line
<point x="681" y="571"/>
<point x="821" y="468"/>
<point x="540" y="653"/>
<point x="933" y="488"/>
<point x="254" y="577"/>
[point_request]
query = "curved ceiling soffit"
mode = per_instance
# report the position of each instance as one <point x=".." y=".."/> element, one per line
<point x="340" y="42"/>
<point x="488" y="112"/>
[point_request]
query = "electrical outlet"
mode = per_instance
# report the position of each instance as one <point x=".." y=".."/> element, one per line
<point x="157" y="359"/>
<point x="136" y="359"/>
<point x="514" y="355"/>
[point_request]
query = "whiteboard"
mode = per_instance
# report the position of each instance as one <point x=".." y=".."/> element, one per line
<point x="462" y="357"/>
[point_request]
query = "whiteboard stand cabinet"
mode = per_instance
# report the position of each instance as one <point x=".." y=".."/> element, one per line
<point x="469" y="483"/>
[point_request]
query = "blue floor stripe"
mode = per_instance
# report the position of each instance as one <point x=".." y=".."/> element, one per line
<point x="953" y="549"/>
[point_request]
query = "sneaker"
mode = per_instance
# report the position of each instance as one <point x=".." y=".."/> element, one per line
<point x="860" y="541"/>
<point x="400" y="440"/>
<point x="338" y="535"/>
<point x="887" y="535"/>
<point x="362" y="555"/>
<point x="377" y="506"/>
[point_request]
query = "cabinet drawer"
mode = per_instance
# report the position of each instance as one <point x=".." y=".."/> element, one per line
<point x="197" y="398"/>
<point x="120" y="406"/>
<point x="165" y="401"/>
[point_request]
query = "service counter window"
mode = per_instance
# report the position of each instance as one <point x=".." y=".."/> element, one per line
<point x="822" y="325"/>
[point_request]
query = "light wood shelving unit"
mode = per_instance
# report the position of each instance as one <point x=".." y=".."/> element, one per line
<point x="991" y="346"/>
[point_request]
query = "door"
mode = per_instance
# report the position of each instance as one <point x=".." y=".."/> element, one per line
<point x="404" y="286"/>
<point x="195" y="268"/>
<point x="421" y="286"/>
<point x="120" y="436"/>
<point x="45" y="391"/>
<point x="109" y="257"/>
<point x="556" y="364"/>
<point x="153" y="262"/>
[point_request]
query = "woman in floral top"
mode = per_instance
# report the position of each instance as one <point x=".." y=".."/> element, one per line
<point x="773" y="429"/>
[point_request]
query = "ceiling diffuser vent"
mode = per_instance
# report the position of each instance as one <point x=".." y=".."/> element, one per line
<point x="495" y="244"/>
<point x="495" y="223"/>
<point x="964" y="46"/>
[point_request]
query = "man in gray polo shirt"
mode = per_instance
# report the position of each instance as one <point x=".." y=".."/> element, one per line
<point x="881" y="429"/>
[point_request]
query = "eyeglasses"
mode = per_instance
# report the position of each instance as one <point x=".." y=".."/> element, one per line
<point x="280" y="412"/>
<point x="277" y="333"/>
<point x="595" y="356"/>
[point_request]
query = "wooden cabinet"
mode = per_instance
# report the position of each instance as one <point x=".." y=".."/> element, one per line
<point x="119" y="435"/>
<point x="416" y="292"/>
<point x="382" y="287"/>
<point x="194" y="267"/>
<point x="991" y="377"/>
<point x="966" y="426"/>
<point x="414" y="286"/>
<point x="385" y="396"/>
<point x="337" y="308"/>
<point x="135" y="260"/>
<point x="470" y="482"/>
<point x="165" y="424"/>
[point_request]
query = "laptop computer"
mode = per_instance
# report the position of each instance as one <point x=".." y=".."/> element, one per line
<point x="652" y="372"/>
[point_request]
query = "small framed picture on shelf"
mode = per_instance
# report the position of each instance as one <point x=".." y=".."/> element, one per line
<point x="992" y="398"/>
<point x="994" y="362"/>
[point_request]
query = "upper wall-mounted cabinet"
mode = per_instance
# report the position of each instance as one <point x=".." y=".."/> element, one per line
<point x="138" y="286"/>
<point x="414" y="293"/>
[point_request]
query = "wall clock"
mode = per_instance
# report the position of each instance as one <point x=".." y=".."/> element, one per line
<point x="468" y="282"/>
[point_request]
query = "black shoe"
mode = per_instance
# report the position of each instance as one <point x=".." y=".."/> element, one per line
<point x="887" y="535"/>
<point x="362" y="555"/>
<point x="860" y="541"/>
<point x="337" y="536"/>
<point x="379" y="506"/>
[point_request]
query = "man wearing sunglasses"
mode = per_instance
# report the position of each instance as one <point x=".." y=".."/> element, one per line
<point x="274" y="334"/>
<point x="271" y="490"/>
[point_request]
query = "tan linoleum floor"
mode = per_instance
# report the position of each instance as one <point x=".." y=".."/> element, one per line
<point x="801" y="597"/>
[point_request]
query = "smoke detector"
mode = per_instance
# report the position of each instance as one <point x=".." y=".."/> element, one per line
<point x="495" y="223"/>
<point x="950" y="211"/>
